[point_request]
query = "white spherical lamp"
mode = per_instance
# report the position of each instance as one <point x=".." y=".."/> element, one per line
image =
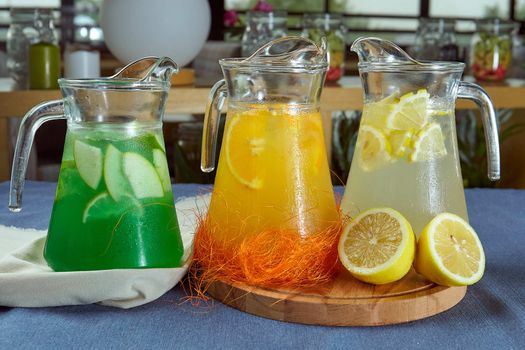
<point x="138" y="28"/>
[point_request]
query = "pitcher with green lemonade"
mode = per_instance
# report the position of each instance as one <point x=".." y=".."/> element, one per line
<point x="406" y="156"/>
<point x="114" y="204"/>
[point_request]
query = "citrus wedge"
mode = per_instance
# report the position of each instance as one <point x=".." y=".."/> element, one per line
<point x="376" y="113"/>
<point x="245" y="143"/>
<point x="449" y="252"/>
<point x="410" y="113"/>
<point x="428" y="144"/>
<point x="373" y="148"/>
<point x="400" y="142"/>
<point x="100" y="205"/>
<point x="378" y="246"/>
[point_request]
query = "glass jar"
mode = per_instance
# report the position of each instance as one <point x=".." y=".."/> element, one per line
<point x="317" y="25"/>
<point x="436" y="40"/>
<point x="261" y="28"/>
<point x="28" y="26"/>
<point x="491" y="49"/>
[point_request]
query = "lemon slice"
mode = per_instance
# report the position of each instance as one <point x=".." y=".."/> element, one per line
<point x="378" y="246"/>
<point x="428" y="144"/>
<point x="376" y="114"/>
<point x="245" y="143"/>
<point x="410" y="113"/>
<point x="373" y="148"/>
<point x="449" y="252"/>
<point x="400" y="142"/>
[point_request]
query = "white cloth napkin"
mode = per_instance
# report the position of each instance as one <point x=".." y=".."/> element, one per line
<point x="27" y="281"/>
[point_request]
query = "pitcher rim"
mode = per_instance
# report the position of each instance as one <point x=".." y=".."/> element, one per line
<point x="116" y="84"/>
<point x="241" y="62"/>
<point x="419" y="66"/>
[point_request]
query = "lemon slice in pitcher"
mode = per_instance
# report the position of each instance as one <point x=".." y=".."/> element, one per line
<point x="378" y="246"/>
<point x="376" y="113"/>
<point x="410" y="113"/>
<point x="400" y="142"/>
<point x="373" y="148"/>
<point x="428" y="144"/>
<point x="245" y="143"/>
<point x="449" y="252"/>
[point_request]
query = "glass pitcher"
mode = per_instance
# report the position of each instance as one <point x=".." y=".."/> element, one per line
<point x="406" y="155"/>
<point x="273" y="171"/>
<point x="114" y="204"/>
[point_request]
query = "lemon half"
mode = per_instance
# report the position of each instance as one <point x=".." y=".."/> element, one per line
<point x="449" y="252"/>
<point x="378" y="246"/>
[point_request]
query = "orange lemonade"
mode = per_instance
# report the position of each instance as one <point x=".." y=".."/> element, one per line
<point x="273" y="174"/>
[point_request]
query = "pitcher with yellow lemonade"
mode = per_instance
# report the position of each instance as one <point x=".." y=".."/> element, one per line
<point x="406" y="155"/>
<point x="272" y="219"/>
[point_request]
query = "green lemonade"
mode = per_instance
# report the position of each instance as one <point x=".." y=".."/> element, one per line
<point x="114" y="204"/>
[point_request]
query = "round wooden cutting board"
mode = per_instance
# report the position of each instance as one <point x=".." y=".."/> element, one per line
<point x="344" y="302"/>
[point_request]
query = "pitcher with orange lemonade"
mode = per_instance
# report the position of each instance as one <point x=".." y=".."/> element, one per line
<point x="272" y="218"/>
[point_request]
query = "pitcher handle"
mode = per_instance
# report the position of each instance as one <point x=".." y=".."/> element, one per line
<point x="210" y="129"/>
<point x="477" y="94"/>
<point x="33" y="119"/>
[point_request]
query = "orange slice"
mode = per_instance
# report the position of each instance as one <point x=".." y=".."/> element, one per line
<point x="245" y="143"/>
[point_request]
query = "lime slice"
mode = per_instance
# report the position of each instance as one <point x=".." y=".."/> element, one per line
<point x="89" y="163"/>
<point x="373" y="148"/>
<point x="428" y="144"/>
<point x="142" y="176"/>
<point x="159" y="160"/>
<point x="449" y="252"/>
<point x="116" y="183"/>
<point x="378" y="246"/>
<point x="400" y="142"/>
<point x="98" y="207"/>
<point x="410" y="113"/>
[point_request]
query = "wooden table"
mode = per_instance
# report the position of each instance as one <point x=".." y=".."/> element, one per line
<point x="192" y="100"/>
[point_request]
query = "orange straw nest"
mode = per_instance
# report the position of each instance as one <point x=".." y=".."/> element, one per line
<point x="268" y="259"/>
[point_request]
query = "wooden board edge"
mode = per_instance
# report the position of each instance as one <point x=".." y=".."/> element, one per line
<point x="358" y="312"/>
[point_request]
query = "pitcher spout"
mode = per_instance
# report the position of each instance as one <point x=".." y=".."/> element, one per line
<point x="375" y="50"/>
<point x="148" y="69"/>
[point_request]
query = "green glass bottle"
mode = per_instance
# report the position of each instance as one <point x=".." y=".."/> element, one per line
<point x="44" y="66"/>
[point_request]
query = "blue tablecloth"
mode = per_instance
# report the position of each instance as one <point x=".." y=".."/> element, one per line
<point x="491" y="316"/>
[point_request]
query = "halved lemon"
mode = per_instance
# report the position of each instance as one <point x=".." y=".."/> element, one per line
<point x="245" y="143"/>
<point x="449" y="252"/>
<point x="428" y="144"/>
<point x="373" y="148"/>
<point x="400" y="142"/>
<point x="410" y="113"/>
<point x="378" y="246"/>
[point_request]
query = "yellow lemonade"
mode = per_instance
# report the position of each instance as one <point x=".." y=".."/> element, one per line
<point x="272" y="175"/>
<point x="405" y="159"/>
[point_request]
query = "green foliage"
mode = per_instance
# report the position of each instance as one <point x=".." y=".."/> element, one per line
<point x="472" y="146"/>
<point x="344" y="136"/>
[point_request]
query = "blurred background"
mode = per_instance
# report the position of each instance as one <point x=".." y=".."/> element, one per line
<point x="428" y="29"/>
